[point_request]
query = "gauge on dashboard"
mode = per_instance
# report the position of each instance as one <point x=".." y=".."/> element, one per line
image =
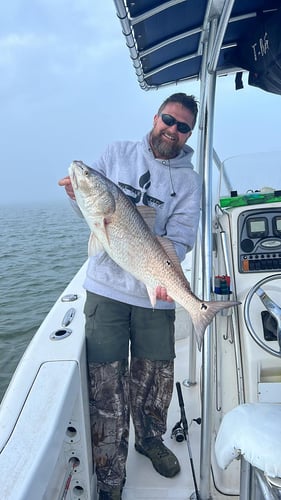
<point x="276" y="225"/>
<point x="257" y="227"/>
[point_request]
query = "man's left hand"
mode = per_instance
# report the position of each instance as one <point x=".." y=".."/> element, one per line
<point x="161" y="294"/>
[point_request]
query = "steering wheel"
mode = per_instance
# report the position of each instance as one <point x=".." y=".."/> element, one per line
<point x="272" y="307"/>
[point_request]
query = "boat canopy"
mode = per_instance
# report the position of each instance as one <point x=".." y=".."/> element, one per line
<point x="166" y="38"/>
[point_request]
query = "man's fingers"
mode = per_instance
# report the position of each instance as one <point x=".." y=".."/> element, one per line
<point x="161" y="294"/>
<point x="65" y="181"/>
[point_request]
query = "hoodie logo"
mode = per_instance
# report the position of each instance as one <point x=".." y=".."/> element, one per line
<point x="140" y="194"/>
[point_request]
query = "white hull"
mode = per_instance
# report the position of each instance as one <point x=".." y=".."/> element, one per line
<point x="44" y="415"/>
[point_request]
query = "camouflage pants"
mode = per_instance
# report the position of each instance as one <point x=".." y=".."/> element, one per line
<point x="145" y="391"/>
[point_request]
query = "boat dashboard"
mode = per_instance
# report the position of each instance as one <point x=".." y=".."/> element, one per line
<point x="259" y="240"/>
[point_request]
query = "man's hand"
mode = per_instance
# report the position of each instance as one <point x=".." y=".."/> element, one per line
<point x="66" y="182"/>
<point x="161" y="294"/>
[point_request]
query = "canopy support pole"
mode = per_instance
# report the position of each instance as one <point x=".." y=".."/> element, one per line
<point x="206" y="149"/>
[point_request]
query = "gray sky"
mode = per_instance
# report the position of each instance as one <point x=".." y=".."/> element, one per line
<point x="68" y="88"/>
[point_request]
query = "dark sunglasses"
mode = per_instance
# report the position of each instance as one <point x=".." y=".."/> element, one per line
<point x="169" y="120"/>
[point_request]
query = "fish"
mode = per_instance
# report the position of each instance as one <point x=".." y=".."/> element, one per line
<point x="118" y="228"/>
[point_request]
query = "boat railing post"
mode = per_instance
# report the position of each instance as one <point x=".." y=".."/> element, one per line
<point x="207" y="356"/>
<point x="211" y="47"/>
<point x="245" y="480"/>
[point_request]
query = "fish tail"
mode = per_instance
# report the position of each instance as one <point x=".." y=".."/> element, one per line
<point x="203" y="314"/>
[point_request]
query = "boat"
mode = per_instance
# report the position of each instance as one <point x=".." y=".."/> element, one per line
<point x="224" y="420"/>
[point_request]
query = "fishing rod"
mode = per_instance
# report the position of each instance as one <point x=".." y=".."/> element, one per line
<point x="184" y="424"/>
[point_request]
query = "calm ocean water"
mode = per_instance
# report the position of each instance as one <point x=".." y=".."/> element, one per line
<point x="42" y="247"/>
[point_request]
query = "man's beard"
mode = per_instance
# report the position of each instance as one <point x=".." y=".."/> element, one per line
<point x="162" y="148"/>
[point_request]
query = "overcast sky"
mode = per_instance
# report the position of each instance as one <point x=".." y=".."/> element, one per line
<point x="68" y="88"/>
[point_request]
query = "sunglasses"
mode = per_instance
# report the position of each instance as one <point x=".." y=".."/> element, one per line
<point x="169" y="120"/>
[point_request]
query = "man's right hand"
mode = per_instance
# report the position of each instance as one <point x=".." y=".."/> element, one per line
<point x="66" y="182"/>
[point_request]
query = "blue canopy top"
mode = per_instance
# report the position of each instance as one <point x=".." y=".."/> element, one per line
<point x="166" y="38"/>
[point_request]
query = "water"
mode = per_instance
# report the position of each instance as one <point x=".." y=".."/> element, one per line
<point x="42" y="247"/>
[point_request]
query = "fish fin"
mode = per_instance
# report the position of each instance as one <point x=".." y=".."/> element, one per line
<point x="203" y="314"/>
<point x="152" y="296"/>
<point x="172" y="254"/>
<point x="148" y="214"/>
<point x="94" y="245"/>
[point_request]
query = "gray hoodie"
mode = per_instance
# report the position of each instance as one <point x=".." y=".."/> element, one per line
<point x="171" y="187"/>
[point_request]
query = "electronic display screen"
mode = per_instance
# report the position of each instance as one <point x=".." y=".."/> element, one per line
<point x="277" y="225"/>
<point x="257" y="227"/>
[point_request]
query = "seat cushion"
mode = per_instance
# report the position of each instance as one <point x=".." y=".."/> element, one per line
<point x="254" y="431"/>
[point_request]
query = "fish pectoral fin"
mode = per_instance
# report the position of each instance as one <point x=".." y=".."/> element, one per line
<point x="152" y="296"/>
<point x="148" y="214"/>
<point x="172" y="254"/>
<point x="100" y="224"/>
<point x="94" y="245"/>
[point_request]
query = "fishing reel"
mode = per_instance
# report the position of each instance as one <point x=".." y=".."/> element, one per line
<point x="178" y="432"/>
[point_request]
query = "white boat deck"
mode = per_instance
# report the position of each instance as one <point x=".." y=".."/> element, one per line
<point x="142" y="480"/>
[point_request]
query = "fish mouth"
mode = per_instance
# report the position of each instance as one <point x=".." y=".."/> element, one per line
<point x="73" y="170"/>
<point x="80" y="167"/>
<point x="76" y="164"/>
<point x="77" y="171"/>
<point x="74" y="181"/>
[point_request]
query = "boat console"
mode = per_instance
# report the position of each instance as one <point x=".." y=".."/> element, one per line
<point x="259" y="237"/>
<point x="247" y="251"/>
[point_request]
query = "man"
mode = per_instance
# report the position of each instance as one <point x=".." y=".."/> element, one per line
<point x="156" y="172"/>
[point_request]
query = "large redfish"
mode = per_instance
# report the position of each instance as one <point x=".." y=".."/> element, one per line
<point x="118" y="228"/>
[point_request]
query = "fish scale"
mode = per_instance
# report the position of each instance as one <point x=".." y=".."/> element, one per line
<point x="118" y="228"/>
